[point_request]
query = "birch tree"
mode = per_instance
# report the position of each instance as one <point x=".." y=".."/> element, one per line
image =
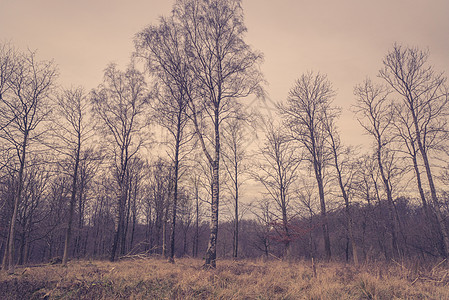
<point x="225" y="69"/>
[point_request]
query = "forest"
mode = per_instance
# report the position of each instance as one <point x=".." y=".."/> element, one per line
<point x="170" y="157"/>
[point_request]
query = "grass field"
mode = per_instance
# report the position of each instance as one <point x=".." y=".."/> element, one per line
<point x="155" y="278"/>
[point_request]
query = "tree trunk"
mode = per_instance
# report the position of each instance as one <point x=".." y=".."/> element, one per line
<point x="126" y="205"/>
<point x="236" y="220"/>
<point x="133" y="230"/>
<point x="286" y="238"/>
<point x="80" y="215"/>
<point x="435" y="201"/>
<point x="68" y="233"/>
<point x="347" y="211"/>
<point x="410" y="100"/>
<point x="27" y="250"/>
<point x="312" y="240"/>
<point x="211" y="253"/>
<point x="351" y="236"/>
<point x="349" y="224"/>
<point x="391" y="217"/>
<point x="185" y="241"/>
<point x="118" y="232"/>
<point x="164" y="238"/>
<point x="175" y="192"/>
<point x="317" y="167"/>
<point x="420" y="188"/>
<point x="17" y="196"/>
<point x="22" y="247"/>
<point x="325" y="226"/>
<point x="197" y="223"/>
<point x="5" y="254"/>
<point x="150" y="236"/>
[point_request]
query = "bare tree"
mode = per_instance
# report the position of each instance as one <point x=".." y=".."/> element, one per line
<point x="8" y="64"/>
<point x="236" y="138"/>
<point x="307" y="200"/>
<point x="365" y="189"/>
<point x="225" y="68"/>
<point x="195" y="181"/>
<point x="424" y="94"/>
<point x="264" y="223"/>
<point x="163" y="48"/>
<point x="136" y="177"/>
<point x="72" y="130"/>
<point x="120" y="102"/>
<point x="25" y="108"/>
<point x="343" y="163"/>
<point x="375" y="114"/>
<point x="89" y="165"/>
<point x="160" y="185"/>
<point x="197" y="217"/>
<point x="277" y="170"/>
<point x="405" y="133"/>
<point x="32" y="209"/>
<point x="305" y="113"/>
<point x="186" y="215"/>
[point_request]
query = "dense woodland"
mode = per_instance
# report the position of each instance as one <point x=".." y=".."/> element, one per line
<point x="168" y="157"/>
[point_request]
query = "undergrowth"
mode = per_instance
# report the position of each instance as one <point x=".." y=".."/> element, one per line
<point x="155" y="278"/>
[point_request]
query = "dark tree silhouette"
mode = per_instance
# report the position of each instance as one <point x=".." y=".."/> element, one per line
<point x="424" y="94"/>
<point x="23" y="110"/>
<point x="277" y="170"/>
<point x="120" y="102"/>
<point x="308" y="105"/>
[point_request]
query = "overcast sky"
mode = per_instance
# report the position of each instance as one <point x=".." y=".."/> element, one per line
<point x="344" y="39"/>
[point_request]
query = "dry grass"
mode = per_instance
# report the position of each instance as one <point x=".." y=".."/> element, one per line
<point x="156" y="279"/>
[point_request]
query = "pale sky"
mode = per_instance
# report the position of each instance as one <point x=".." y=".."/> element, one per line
<point x="344" y="39"/>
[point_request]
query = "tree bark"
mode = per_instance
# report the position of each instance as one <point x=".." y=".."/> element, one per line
<point x="236" y="220"/>
<point x="433" y="193"/>
<point x="68" y="233"/>
<point x="5" y="254"/>
<point x="347" y="208"/>
<point x="175" y="191"/>
<point x="118" y="232"/>
<point x="211" y="252"/>
<point x="391" y="217"/>
<point x="317" y="166"/>
<point x="325" y="225"/>
<point x="197" y="222"/>
<point x="17" y="197"/>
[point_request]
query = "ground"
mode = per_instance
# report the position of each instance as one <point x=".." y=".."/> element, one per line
<point x="155" y="278"/>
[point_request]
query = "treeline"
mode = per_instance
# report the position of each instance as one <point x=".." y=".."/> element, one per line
<point x="143" y="163"/>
